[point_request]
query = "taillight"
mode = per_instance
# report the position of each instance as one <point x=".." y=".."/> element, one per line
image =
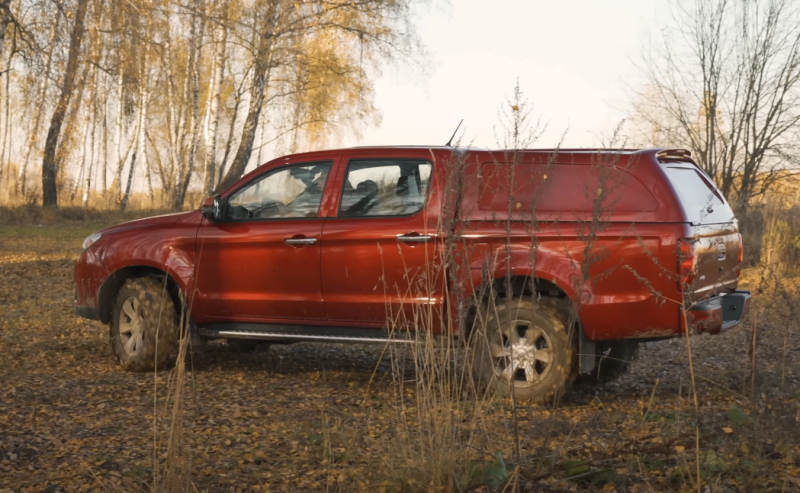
<point x="686" y="262"/>
<point x="741" y="257"/>
<point x="741" y="249"/>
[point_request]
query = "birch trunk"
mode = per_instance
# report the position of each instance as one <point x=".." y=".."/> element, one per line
<point x="229" y="142"/>
<point x="123" y="204"/>
<point x="212" y="120"/>
<point x="142" y="134"/>
<point x="5" y="145"/>
<point x="138" y="145"/>
<point x="8" y="101"/>
<point x="162" y="172"/>
<point x="245" y="149"/>
<point x="174" y="124"/>
<point x="5" y="20"/>
<point x="146" y="164"/>
<point x="135" y="146"/>
<point x="49" y="164"/>
<point x="87" y="190"/>
<point x="194" y="78"/>
<point x="105" y="146"/>
<point x="183" y="117"/>
<point x="261" y="70"/>
<point x="92" y="134"/>
<point x="72" y="121"/>
<point x="33" y="132"/>
<point x="84" y="133"/>
<point x="118" y="161"/>
<point x="261" y="140"/>
<point x="3" y="28"/>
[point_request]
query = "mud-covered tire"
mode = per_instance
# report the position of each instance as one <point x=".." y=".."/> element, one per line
<point x="540" y="362"/>
<point x="613" y="360"/>
<point x="144" y="312"/>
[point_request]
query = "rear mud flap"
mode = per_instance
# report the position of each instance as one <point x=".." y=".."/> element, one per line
<point x="587" y="352"/>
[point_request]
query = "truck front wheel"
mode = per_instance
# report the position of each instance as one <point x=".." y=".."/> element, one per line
<point x="526" y="349"/>
<point x="144" y="326"/>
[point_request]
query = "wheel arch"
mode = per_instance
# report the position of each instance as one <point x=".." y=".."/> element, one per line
<point x="544" y="272"/>
<point x="522" y="286"/>
<point x="527" y="285"/>
<point x="114" y="282"/>
<point x="546" y="269"/>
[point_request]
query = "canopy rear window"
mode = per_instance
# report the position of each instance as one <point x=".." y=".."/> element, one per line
<point x="701" y="200"/>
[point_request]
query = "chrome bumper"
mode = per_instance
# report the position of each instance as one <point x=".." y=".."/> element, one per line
<point x="720" y="313"/>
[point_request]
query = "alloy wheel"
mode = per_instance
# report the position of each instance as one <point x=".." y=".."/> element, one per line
<point x="522" y="353"/>
<point x="131" y="326"/>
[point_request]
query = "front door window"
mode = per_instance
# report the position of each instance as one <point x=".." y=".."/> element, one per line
<point x="291" y="192"/>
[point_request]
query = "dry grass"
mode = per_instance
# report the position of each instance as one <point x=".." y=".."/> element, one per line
<point x="26" y="215"/>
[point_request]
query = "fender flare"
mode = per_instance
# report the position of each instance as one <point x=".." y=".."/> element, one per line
<point x="140" y="268"/>
<point x="544" y="263"/>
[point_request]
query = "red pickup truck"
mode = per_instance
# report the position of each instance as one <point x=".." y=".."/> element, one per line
<point x="555" y="262"/>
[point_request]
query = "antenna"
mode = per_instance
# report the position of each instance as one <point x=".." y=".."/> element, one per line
<point x="454" y="134"/>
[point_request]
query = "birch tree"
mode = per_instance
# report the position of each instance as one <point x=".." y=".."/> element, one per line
<point x="168" y="98"/>
<point x="214" y="97"/>
<point x="49" y="163"/>
<point x="724" y="82"/>
<point x="354" y="32"/>
<point x="193" y="92"/>
<point x="39" y="106"/>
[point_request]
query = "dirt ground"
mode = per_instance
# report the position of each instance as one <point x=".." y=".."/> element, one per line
<point x="318" y="417"/>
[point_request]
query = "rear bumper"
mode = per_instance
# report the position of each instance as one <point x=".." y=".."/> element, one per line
<point x="720" y="313"/>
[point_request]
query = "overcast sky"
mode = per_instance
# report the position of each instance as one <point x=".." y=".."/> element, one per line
<point x="572" y="58"/>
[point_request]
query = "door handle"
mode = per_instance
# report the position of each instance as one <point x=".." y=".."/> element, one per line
<point x="414" y="238"/>
<point x="300" y="241"/>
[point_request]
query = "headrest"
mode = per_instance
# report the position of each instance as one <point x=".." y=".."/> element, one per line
<point x="367" y="187"/>
<point x="402" y="186"/>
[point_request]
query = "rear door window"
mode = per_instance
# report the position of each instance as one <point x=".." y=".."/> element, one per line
<point x="701" y="200"/>
<point x="384" y="188"/>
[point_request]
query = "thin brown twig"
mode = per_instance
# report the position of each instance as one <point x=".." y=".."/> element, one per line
<point x="652" y="395"/>
<point x="694" y="395"/>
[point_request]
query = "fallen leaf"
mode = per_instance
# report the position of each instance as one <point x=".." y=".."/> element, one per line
<point x="738" y="416"/>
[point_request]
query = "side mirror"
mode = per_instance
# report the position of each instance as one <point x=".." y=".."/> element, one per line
<point x="212" y="208"/>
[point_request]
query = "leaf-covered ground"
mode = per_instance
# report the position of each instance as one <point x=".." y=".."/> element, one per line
<point x="323" y="417"/>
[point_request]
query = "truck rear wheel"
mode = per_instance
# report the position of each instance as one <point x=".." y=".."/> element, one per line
<point x="144" y="326"/>
<point x="526" y="348"/>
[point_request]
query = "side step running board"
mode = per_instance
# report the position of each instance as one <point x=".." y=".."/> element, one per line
<point x="300" y="333"/>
